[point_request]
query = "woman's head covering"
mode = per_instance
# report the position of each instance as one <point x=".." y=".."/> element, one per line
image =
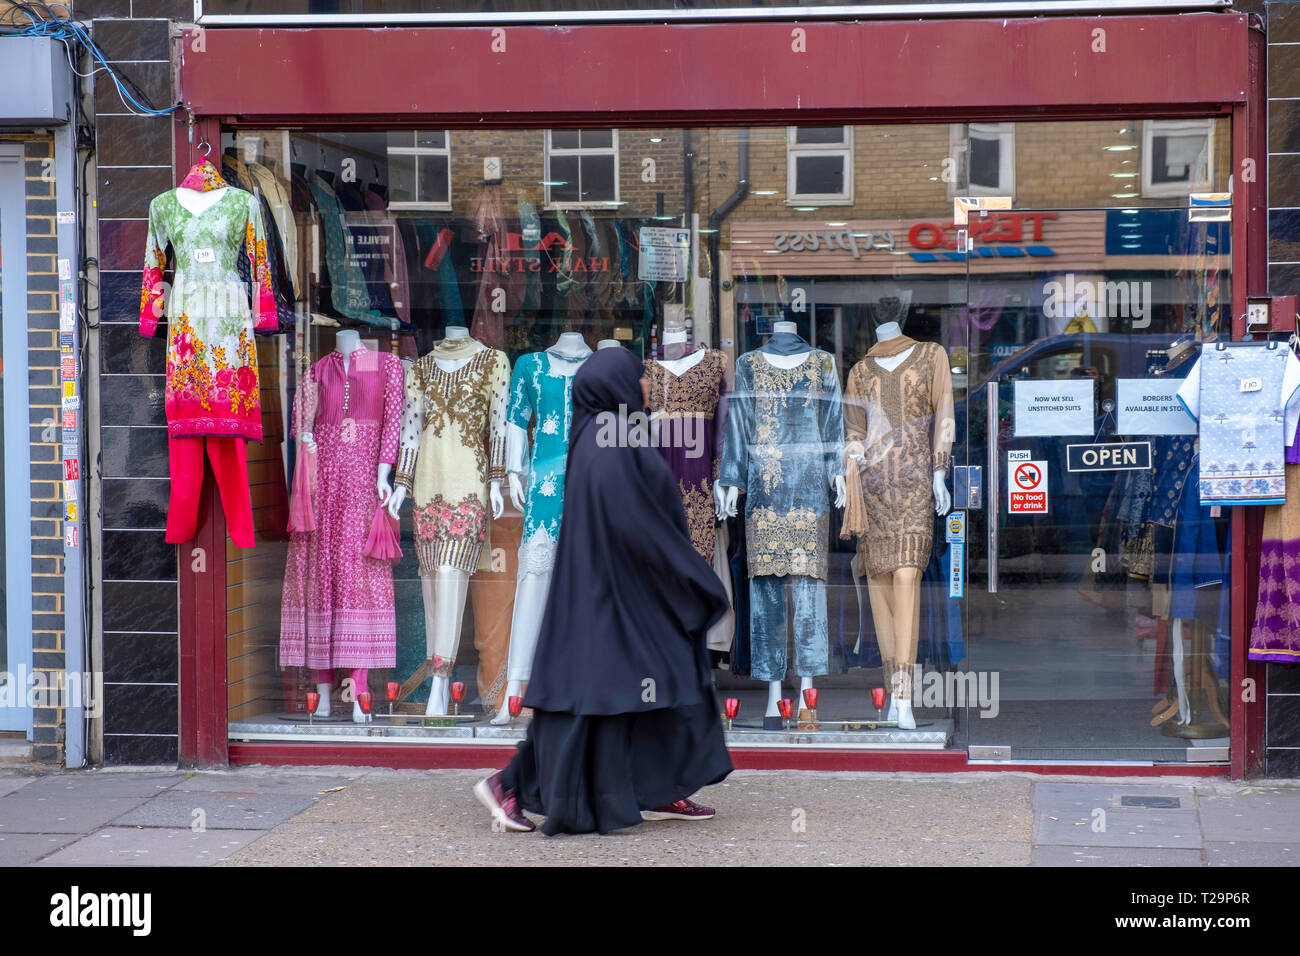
<point x="609" y="381"/>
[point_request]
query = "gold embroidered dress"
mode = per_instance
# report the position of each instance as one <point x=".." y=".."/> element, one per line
<point x="453" y="444"/>
<point x="688" y="413"/>
<point x="901" y="422"/>
<point x="785" y="437"/>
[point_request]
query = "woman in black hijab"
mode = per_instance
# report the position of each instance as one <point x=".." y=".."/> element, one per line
<point x="624" y="715"/>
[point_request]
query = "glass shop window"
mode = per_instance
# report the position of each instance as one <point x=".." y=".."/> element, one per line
<point x="819" y="162"/>
<point x="419" y="169"/>
<point x="1176" y="156"/>
<point x="581" y="167"/>
<point x="984" y="159"/>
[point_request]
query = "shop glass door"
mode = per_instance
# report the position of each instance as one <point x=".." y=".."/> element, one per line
<point x="15" y="642"/>
<point x="1096" y="600"/>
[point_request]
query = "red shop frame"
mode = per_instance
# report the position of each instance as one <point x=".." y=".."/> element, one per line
<point x="678" y="74"/>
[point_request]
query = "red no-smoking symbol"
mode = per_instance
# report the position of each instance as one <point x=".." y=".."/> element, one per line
<point x="1028" y="476"/>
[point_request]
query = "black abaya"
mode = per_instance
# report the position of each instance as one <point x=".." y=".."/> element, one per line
<point x="625" y="718"/>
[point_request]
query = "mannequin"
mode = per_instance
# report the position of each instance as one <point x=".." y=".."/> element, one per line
<point x="608" y="344"/>
<point x="894" y="533"/>
<point x="541" y="386"/>
<point x="727" y="491"/>
<point x="687" y="398"/>
<point x="441" y="409"/>
<point x="366" y="414"/>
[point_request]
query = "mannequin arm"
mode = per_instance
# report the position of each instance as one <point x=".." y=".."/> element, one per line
<point x="942" y="500"/>
<point x="494" y="495"/>
<point x="395" y="500"/>
<point x="724" y="497"/>
<point x="837" y="485"/>
<point x="383" y="485"/>
<point x="516" y="453"/>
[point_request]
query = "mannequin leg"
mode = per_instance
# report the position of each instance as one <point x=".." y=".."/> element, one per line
<point x="907" y="617"/>
<point x="525" y="626"/>
<point x="1180" y="673"/>
<point x="880" y="591"/>
<point x="444" y="608"/>
<point x="323" y="678"/>
<point x="773" y="695"/>
<point x="360" y="685"/>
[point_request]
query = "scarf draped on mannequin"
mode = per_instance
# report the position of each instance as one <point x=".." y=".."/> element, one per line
<point x="785" y="343"/>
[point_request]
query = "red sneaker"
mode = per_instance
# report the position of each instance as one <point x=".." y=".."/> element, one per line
<point x="501" y="802"/>
<point x="681" y="810"/>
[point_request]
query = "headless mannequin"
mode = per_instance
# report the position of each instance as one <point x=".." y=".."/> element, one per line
<point x="896" y="595"/>
<point x="196" y="202"/>
<point x="530" y="592"/>
<point x="444" y="593"/>
<point x="608" y="344"/>
<point x="725" y="500"/>
<point x="347" y="342"/>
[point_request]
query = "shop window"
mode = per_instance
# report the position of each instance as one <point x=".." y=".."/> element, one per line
<point x="1176" y="156"/>
<point x="581" y="167"/>
<point x="819" y="164"/>
<point x="985" y="159"/>
<point x="419" y="169"/>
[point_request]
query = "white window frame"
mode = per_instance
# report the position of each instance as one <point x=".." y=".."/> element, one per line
<point x="795" y="149"/>
<point x="610" y="150"/>
<point x="424" y="151"/>
<point x="1153" y="128"/>
<point x="958" y="150"/>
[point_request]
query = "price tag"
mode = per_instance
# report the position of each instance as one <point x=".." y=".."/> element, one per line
<point x="204" y="255"/>
<point x="1251" y="385"/>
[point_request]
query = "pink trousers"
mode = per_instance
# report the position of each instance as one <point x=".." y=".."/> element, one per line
<point x="230" y="466"/>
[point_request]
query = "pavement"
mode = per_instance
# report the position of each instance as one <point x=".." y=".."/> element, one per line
<point x="345" y="816"/>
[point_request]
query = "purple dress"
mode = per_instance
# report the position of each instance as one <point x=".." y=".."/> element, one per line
<point x="690" y="416"/>
<point x="338" y="604"/>
<point x="1275" y="636"/>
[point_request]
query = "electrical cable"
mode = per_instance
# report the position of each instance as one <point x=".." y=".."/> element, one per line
<point x="67" y="32"/>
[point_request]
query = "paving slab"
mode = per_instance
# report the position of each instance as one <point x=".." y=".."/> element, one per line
<point x="111" y="785"/>
<point x="216" y="810"/>
<point x="1123" y="828"/>
<point x="19" y="849"/>
<point x="62" y="812"/>
<point x="1252" y="854"/>
<point x="266" y="780"/>
<point x="1085" y="796"/>
<point x="1113" y="856"/>
<point x="156" y="846"/>
<point x="1261" y="816"/>
<point x="10" y="784"/>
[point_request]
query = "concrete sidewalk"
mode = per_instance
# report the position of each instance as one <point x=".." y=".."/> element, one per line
<point x="267" y="816"/>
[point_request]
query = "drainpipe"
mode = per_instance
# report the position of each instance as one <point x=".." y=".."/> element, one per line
<point x="715" y="237"/>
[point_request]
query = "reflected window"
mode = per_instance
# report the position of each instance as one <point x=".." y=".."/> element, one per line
<point x="984" y="157"/>
<point x="819" y="163"/>
<point x="419" y="169"/>
<point x="581" y="167"/>
<point x="1176" y="156"/>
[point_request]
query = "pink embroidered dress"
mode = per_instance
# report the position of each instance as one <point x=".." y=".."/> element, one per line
<point x="211" y="356"/>
<point x="338" y="604"/>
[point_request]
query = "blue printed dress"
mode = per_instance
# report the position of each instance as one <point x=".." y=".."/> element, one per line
<point x="541" y="389"/>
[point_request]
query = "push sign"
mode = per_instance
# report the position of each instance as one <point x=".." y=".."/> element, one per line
<point x="1026" y="484"/>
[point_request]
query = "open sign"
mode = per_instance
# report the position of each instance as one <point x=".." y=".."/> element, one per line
<point x="1111" y="456"/>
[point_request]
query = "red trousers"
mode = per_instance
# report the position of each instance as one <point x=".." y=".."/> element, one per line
<point x="230" y="466"/>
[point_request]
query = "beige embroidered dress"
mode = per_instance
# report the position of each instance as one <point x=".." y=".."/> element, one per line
<point x="453" y="444"/>
<point x="901" y="423"/>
